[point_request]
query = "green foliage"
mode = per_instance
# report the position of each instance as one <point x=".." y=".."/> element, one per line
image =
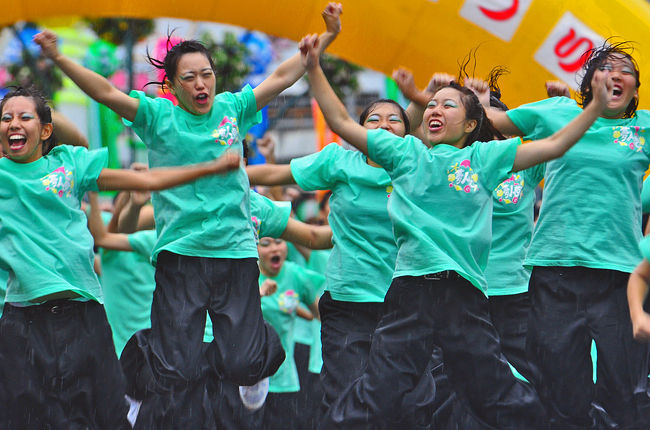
<point x="341" y="75"/>
<point x="229" y="60"/>
<point x="114" y="30"/>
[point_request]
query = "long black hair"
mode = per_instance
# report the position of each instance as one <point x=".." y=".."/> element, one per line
<point x="174" y="53"/>
<point x="595" y="58"/>
<point x="42" y="110"/>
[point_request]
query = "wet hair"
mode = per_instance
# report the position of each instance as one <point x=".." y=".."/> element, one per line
<point x="597" y="56"/>
<point x="324" y="200"/>
<point x="42" y="110"/>
<point x="495" y="90"/>
<point x="484" y="130"/>
<point x="364" y="115"/>
<point x="174" y="53"/>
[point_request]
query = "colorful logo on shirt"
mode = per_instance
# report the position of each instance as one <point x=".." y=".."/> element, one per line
<point x="60" y="182"/>
<point x="228" y="132"/>
<point x="630" y="136"/>
<point x="288" y="301"/>
<point x="389" y="190"/>
<point x="461" y="177"/>
<point x="511" y="190"/>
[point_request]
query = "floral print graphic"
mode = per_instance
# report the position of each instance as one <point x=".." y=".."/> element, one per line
<point x="511" y="190"/>
<point x="389" y="190"/>
<point x="60" y="182"/>
<point x="256" y="227"/>
<point x="228" y="132"/>
<point x="632" y="137"/>
<point x="461" y="177"/>
<point x="288" y="301"/>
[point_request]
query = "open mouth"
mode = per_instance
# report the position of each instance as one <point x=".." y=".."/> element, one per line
<point x="202" y="98"/>
<point x="617" y="91"/>
<point x="17" y="142"/>
<point x="435" y="125"/>
<point x="275" y="259"/>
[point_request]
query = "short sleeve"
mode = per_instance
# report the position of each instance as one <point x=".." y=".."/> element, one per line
<point x="311" y="283"/>
<point x="318" y="171"/>
<point x="143" y="242"/>
<point x="496" y="159"/>
<point x="530" y="118"/>
<point x="146" y="117"/>
<point x="88" y="166"/>
<point x="246" y="106"/>
<point x="390" y="150"/>
<point x="272" y="216"/>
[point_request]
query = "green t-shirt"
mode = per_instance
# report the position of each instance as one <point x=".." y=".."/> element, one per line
<point x="128" y="279"/>
<point x="645" y="196"/>
<point x="441" y="204"/>
<point x="512" y="228"/>
<point x="295" y="285"/>
<point x="45" y="242"/>
<point x="362" y="261"/>
<point x="644" y="246"/>
<point x="591" y="212"/>
<point x="318" y="263"/>
<point x="209" y="217"/>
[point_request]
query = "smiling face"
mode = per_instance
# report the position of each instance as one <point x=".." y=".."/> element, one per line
<point x="624" y="77"/>
<point x="273" y="253"/>
<point x="386" y="116"/>
<point x="444" y="119"/>
<point x="194" y="83"/>
<point x="21" y="131"/>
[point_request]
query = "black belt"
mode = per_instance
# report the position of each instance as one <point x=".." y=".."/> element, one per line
<point x="445" y="274"/>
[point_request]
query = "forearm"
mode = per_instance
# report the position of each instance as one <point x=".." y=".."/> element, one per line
<point x="270" y="174"/>
<point x="304" y="313"/>
<point x="129" y="218"/>
<point x="310" y="236"/>
<point x="637" y="292"/>
<point x="95" y="222"/>
<point x="67" y="132"/>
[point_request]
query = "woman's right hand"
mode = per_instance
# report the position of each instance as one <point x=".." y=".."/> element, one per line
<point x="309" y="51"/>
<point x="602" y="88"/>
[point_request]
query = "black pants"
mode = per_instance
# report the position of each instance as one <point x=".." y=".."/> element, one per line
<point x="245" y="349"/>
<point x="347" y="330"/>
<point x="280" y="412"/>
<point x="570" y="307"/>
<point x="311" y="393"/>
<point x="509" y="315"/>
<point x="58" y="368"/>
<point x="229" y="413"/>
<point x="453" y="314"/>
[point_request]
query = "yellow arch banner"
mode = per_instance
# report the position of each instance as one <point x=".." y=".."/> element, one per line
<point x="536" y="39"/>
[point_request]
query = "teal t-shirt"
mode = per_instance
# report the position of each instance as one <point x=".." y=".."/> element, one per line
<point x="644" y="247"/>
<point x="128" y="279"/>
<point x="591" y="212"/>
<point x="4" y="276"/>
<point x="441" y="204"/>
<point x="45" y="242"/>
<point x="318" y="263"/>
<point x="362" y="261"/>
<point x="295" y="285"/>
<point x="645" y="196"/>
<point x="209" y="217"/>
<point x="512" y="228"/>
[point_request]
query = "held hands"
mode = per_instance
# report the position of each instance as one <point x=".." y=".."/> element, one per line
<point x="227" y="162"/>
<point x="439" y="80"/>
<point x="140" y="198"/>
<point x="480" y="88"/>
<point x="309" y="51"/>
<point x="332" y="17"/>
<point x="268" y="287"/>
<point x="48" y="42"/>
<point x="266" y="146"/>
<point x="557" y="89"/>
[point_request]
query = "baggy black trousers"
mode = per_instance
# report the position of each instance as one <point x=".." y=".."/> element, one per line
<point x="58" y="368"/>
<point x="453" y="314"/>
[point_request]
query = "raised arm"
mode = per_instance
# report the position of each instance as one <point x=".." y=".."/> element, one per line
<point x="104" y="239"/>
<point x="91" y="83"/>
<point x="67" y="132"/>
<point x="333" y="110"/>
<point x="163" y="178"/>
<point x="561" y="141"/>
<point x="637" y="291"/>
<point x="292" y="69"/>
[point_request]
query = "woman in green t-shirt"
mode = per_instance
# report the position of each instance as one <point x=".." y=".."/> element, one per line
<point x="584" y="246"/>
<point x="205" y="253"/>
<point x="441" y="208"/>
<point x="57" y="363"/>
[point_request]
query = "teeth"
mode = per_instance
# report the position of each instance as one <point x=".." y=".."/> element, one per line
<point x="16" y="137"/>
